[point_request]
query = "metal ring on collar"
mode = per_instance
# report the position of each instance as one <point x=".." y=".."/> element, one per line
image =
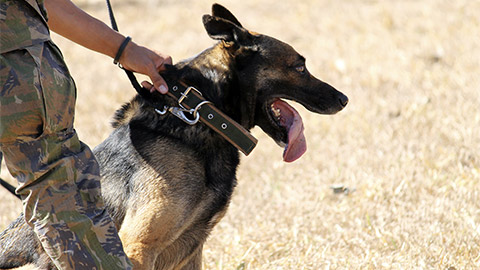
<point x="199" y="106"/>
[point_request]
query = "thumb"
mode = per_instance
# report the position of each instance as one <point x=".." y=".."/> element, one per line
<point x="158" y="82"/>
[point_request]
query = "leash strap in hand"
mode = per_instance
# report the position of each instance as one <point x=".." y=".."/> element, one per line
<point x="133" y="80"/>
<point x="209" y="114"/>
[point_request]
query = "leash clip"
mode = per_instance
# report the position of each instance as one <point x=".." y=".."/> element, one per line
<point x="165" y="109"/>
<point x="180" y="112"/>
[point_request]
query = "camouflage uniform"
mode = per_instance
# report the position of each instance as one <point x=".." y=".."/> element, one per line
<point x="58" y="175"/>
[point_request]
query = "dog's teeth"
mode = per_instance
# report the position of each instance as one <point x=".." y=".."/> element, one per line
<point x="276" y="112"/>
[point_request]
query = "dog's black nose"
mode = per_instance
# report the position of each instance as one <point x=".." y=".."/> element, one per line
<point x="343" y="100"/>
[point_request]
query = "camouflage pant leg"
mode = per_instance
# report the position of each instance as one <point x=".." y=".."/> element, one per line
<point x="58" y="175"/>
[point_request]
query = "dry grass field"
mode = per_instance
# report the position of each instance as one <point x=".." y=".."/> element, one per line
<point x="406" y="148"/>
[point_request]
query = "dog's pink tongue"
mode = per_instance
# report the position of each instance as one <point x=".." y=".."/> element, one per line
<point x="292" y="121"/>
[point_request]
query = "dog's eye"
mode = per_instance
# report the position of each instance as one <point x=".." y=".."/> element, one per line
<point x="301" y="69"/>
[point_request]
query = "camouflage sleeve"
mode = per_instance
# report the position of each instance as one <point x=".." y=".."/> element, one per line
<point x="23" y="23"/>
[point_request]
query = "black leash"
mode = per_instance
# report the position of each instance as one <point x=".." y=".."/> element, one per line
<point x="133" y="80"/>
<point x="9" y="187"/>
<point x="5" y="184"/>
<point x="112" y="17"/>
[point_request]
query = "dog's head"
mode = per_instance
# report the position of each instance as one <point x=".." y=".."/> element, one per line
<point x="268" y="72"/>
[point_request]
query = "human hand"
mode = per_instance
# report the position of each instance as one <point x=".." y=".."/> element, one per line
<point x="145" y="61"/>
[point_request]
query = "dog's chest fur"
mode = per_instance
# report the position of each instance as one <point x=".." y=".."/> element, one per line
<point x="161" y="155"/>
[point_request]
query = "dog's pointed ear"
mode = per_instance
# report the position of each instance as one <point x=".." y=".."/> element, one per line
<point x="222" y="29"/>
<point x="221" y="12"/>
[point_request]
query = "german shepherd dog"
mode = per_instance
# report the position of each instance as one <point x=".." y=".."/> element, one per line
<point x="166" y="184"/>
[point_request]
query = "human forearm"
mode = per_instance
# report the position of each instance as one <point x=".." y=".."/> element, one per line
<point x="71" y="22"/>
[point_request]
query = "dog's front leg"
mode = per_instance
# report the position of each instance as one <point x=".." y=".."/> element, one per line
<point x="156" y="236"/>
<point x="194" y="262"/>
<point x="140" y="252"/>
<point x="145" y="234"/>
<point x="140" y="256"/>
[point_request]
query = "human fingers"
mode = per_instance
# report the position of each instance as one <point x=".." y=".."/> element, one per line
<point x="148" y="86"/>
<point x="162" y="60"/>
<point x="143" y="60"/>
<point x="158" y="82"/>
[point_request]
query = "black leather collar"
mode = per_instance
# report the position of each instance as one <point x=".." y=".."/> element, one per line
<point x="192" y="103"/>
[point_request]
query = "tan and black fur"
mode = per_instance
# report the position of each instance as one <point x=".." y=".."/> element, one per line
<point x="167" y="184"/>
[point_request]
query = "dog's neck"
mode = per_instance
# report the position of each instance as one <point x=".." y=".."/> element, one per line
<point x="213" y="73"/>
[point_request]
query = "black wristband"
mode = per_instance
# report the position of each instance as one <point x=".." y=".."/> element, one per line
<point x="121" y="49"/>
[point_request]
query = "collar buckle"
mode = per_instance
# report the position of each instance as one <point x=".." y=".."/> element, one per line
<point x="184" y="95"/>
<point x="190" y="111"/>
